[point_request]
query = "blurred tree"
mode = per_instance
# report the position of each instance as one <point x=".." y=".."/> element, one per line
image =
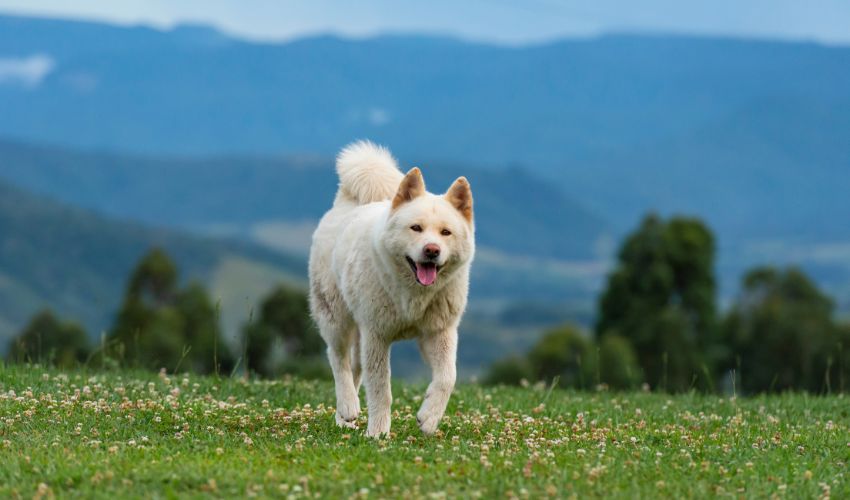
<point x="661" y="298"/>
<point x="781" y="333"/>
<point x="160" y="325"/>
<point x="284" y="317"/>
<point x="618" y="366"/>
<point x="565" y="353"/>
<point x="510" y="371"/>
<point x="200" y="327"/>
<point x="147" y="329"/>
<point x="287" y="312"/>
<point x="46" y="339"/>
<point x="258" y="340"/>
<point x="840" y="359"/>
<point x="154" y="280"/>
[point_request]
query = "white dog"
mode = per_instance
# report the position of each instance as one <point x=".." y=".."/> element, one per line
<point x="390" y="261"/>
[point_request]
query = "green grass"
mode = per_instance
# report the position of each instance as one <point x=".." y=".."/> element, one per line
<point x="134" y="434"/>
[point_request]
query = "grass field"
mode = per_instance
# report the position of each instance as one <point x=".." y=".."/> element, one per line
<point x="133" y="434"/>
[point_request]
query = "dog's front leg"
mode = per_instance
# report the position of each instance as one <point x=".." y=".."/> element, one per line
<point x="375" y="354"/>
<point x="440" y="352"/>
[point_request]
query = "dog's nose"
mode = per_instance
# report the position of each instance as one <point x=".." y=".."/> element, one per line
<point x="431" y="251"/>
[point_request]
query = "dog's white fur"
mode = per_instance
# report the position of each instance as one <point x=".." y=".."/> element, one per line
<point x="364" y="294"/>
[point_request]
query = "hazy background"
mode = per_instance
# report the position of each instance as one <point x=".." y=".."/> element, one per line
<point x="505" y="21"/>
<point x="209" y="128"/>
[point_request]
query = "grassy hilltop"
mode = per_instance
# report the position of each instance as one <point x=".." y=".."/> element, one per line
<point x="142" y="435"/>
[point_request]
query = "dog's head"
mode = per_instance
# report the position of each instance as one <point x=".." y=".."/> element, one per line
<point x="430" y="236"/>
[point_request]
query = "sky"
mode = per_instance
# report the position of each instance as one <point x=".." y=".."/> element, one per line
<point x="500" y="21"/>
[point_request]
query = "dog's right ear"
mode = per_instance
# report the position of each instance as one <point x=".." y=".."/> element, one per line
<point x="411" y="187"/>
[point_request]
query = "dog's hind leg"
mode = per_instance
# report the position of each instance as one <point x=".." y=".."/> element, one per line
<point x="339" y="355"/>
<point x="340" y="334"/>
<point x="440" y="352"/>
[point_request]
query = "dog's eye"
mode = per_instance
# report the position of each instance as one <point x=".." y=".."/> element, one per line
<point x="417" y="228"/>
<point x="446" y="232"/>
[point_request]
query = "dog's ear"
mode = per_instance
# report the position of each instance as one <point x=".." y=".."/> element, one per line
<point x="411" y="187"/>
<point x="460" y="196"/>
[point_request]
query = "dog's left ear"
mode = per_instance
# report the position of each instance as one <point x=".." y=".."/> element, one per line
<point x="460" y="196"/>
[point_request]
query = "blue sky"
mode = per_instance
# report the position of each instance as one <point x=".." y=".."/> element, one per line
<point x="504" y="21"/>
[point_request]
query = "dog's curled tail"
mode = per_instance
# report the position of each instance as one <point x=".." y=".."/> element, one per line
<point x="367" y="173"/>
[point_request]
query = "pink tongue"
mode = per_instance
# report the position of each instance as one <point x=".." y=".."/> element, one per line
<point x="426" y="274"/>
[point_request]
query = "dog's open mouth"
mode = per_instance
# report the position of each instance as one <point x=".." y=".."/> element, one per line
<point x="425" y="272"/>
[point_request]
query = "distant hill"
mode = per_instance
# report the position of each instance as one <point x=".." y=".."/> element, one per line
<point x="751" y="135"/>
<point x="262" y="198"/>
<point x="76" y="262"/>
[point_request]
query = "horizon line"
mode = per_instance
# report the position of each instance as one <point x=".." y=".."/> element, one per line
<point x="239" y="36"/>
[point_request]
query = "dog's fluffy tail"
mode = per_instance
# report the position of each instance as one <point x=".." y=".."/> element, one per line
<point x="367" y="173"/>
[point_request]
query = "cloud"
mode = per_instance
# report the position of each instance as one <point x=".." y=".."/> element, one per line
<point x="26" y="71"/>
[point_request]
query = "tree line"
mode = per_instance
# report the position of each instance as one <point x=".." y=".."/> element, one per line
<point x="163" y="325"/>
<point x="658" y="324"/>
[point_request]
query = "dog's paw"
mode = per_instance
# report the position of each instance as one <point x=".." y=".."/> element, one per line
<point x="428" y="419"/>
<point x="378" y="426"/>
<point x="347" y="412"/>
<point x="348" y="424"/>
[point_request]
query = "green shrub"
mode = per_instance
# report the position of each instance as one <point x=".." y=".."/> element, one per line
<point x="618" y="366"/>
<point x="283" y="338"/>
<point x="510" y="371"/>
<point x="47" y="339"/>
<point x="565" y="353"/>
<point x="161" y="325"/>
<point x="782" y="333"/>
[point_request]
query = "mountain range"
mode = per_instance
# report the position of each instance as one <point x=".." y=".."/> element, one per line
<point x="749" y="134"/>
<point x="568" y="143"/>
